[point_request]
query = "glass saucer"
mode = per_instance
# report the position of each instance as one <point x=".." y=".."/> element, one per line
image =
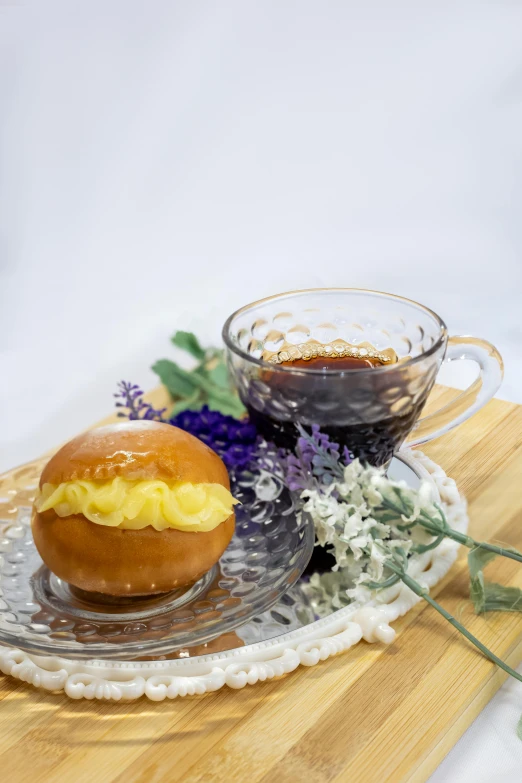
<point x="256" y="592"/>
<point x="39" y="613"/>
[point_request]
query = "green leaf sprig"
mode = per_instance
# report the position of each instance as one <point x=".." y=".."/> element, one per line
<point x="207" y="384"/>
<point x="486" y="596"/>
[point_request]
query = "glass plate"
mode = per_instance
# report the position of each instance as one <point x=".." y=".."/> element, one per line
<point x="257" y="593"/>
<point x="39" y="613"/>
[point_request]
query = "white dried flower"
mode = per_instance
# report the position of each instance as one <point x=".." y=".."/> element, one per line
<point x="377" y="560"/>
<point x="365" y="519"/>
<point x="357" y="545"/>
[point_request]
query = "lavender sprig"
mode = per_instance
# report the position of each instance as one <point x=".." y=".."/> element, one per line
<point x="130" y="397"/>
<point x="316" y="461"/>
<point x="316" y="457"/>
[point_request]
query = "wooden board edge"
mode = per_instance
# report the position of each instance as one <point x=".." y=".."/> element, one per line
<point x="455" y="731"/>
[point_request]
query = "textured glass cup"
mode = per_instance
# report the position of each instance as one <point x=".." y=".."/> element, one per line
<point x="371" y="410"/>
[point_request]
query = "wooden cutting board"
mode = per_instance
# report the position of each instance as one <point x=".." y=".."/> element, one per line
<point x="374" y="714"/>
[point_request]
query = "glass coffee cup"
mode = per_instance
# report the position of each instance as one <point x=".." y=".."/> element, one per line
<point x="360" y="364"/>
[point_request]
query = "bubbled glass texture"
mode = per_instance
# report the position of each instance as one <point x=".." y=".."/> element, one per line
<point x="39" y="613"/>
<point x="369" y="410"/>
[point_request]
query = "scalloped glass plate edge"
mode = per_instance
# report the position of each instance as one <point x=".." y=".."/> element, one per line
<point x="267" y="530"/>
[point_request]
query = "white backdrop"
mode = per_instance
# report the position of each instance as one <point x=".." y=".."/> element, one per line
<point x="162" y="163"/>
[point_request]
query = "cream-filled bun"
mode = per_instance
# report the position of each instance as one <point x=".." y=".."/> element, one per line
<point x="133" y="509"/>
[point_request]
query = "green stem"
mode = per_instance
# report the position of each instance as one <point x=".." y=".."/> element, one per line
<point x="387" y="503"/>
<point x="392" y="580"/>
<point x="512" y="554"/>
<point x="421" y="548"/>
<point x="423" y="593"/>
<point x="445" y="530"/>
<point x="463" y="538"/>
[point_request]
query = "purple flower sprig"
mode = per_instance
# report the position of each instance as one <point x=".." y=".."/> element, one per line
<point x="316" y="460"/>
<point x="130" y="397"/>
<point x="235" y="440"/>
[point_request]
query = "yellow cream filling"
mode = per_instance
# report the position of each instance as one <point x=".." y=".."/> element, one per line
<point x="133" y="505"/>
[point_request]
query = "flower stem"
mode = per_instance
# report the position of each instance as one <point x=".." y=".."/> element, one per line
<point x="421" y="548"/>
<point x="462" y="538"/>
<point x="511" y="553"/>
<point x="423" y="593"/>
<point x="437" y="528"/>
<point x="392" y="580"/>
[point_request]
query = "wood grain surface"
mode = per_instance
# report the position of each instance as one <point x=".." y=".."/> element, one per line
<point x="374" y="714"/>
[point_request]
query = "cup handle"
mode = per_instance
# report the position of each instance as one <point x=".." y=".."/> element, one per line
<point x="472" y="399"/>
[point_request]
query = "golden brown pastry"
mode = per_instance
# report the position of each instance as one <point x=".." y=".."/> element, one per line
<point x="133" y="509"/>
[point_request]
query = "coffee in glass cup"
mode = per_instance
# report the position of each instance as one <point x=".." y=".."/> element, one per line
<point x="360" y="364"/>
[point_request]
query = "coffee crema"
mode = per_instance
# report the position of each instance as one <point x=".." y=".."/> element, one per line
<point x="338" y="355"/>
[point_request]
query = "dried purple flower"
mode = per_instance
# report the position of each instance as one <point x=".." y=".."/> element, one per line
<point x="316" y="461"/>
<point x="234" y="440"/>
<point x="130" y="396"/>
